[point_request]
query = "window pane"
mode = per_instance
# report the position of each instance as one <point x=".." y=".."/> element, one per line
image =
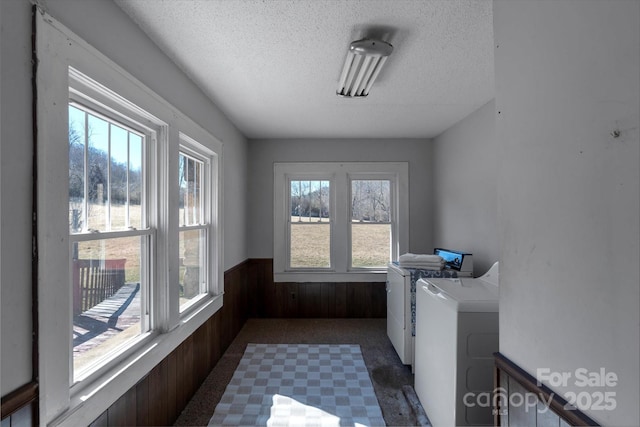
<point x="109" y="171"/>
<point x="135" y="181"/>
<point x="370" y="200"/>
<point x="370" y="244"/>
<point x="118" y="169"/>
<point x="310" y="230"/>
<point x="107" y="287"/>
<point x="197" y="192"/>
<point x="192" y="264"/>
<point x="76" y="168"/>
<point x="370" y="228"/>
<point x="310" y="245"/>
<point x="98" y="173"/>
<point x="309" y="199"/>
<point x="191" y="202"/>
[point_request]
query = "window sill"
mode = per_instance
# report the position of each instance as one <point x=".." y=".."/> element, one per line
<point x="93" y="399"/>
<point x="317" y="276"/>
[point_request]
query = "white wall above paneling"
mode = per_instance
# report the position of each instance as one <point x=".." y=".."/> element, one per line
<point x="569" y="194"/>
<point x="465" y="169"/>
<point x="16" y="192"/>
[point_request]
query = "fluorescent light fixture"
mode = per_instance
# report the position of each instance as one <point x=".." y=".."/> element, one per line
<point x="363" y="64"/>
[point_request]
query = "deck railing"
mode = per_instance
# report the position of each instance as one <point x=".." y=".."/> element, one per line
<point x="95" y="280"/>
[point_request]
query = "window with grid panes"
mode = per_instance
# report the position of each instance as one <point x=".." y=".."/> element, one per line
<point x="109" y="233"/>
<point x="194" y="182"/>
<point x="338" y="221"/>
<point x="108" y="227"/>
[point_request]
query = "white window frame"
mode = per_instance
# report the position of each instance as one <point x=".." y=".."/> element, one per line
<point x="69" y="67"/>
<point x="340" y="175"/>
<point x="95" y="98"/>
<point x="198" y="151"/>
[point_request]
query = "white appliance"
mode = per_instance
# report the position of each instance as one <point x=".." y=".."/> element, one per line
<point x="456" y="336"/>
<point x="401" y="298"/>
<point x="399" y="312"/>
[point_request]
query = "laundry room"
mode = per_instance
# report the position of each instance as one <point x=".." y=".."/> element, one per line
<point x="208" y="207"/>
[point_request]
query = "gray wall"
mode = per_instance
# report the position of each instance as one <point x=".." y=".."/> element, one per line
<point x="102" y="24"/>
<point x="15" y="221"/>
<point x="263" y="153"/>
<point x="566" y="78"/>
<point x="465" y="177"/>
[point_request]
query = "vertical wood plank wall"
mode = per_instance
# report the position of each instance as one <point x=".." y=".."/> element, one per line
<point x="159" y="398"/>
<point x="312" y="300"/>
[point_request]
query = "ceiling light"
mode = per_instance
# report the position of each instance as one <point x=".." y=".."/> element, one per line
<point x="363" y="64"/>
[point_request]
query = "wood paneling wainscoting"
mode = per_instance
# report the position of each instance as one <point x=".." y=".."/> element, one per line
<point x="312" y="300"/>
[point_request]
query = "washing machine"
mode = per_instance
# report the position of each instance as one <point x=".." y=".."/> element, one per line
<point x="456" y="336"/>
<point x="401" y="297"/>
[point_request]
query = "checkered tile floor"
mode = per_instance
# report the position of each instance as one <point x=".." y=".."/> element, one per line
<point x="299" y="385"/>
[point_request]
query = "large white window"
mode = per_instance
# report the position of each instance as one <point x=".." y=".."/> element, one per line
<point x="195" y="166"/>
<point x="109" y="233"/>
<point x="338" y="221"/>
<point x="128" y="215"/>
<point x="117" y="151"/>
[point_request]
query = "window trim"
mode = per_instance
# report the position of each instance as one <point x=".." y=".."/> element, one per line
<point x="340" y="173"/>
<point x="58" y="49"/>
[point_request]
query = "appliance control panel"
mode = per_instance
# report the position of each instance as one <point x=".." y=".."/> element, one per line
<point x="456" y="260"/>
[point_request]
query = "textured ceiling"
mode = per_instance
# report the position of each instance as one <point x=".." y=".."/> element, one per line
<point x="273" y="66"/>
